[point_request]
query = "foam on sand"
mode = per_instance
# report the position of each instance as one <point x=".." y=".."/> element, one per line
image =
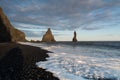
<point x="81" y="63"/>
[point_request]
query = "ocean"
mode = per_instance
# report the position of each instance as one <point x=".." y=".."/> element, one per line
<point x="82" y="60"/>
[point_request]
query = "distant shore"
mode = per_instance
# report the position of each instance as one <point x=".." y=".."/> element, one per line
<point x="17" y="62"/>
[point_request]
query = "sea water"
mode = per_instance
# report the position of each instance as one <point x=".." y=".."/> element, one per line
<point x="82" y="60"/>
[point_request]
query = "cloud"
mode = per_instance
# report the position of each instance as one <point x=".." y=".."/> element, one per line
<point x="63" y="14"/>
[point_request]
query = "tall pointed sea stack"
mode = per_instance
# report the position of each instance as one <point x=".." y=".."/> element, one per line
<point x="7" y="32"/>
<point x="48" y="36"/>
<point x="74" y="38"/>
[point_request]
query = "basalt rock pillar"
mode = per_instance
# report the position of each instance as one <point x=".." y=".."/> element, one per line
<point x="74" y="38"/>
<point x="48" y="36"/>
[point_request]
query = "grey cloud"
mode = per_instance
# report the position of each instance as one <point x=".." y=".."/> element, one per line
<point x="33" y="34"/>
<point x="61" y="14"/>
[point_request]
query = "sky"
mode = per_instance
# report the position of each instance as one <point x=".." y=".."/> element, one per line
<point x="93" y="20"/>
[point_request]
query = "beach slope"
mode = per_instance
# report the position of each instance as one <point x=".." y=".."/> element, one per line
<point x="17" y="62"/>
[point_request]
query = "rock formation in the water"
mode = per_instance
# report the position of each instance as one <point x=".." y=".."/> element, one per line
<point x="7" y="32"/>
<point x="74" y="38"/>
<point x="48" y="37"/>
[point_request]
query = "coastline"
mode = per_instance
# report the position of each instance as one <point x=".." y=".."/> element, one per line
<point x="78" y="61"/>
<point x="17" y="62"/>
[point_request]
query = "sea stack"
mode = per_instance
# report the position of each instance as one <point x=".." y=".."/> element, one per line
<point x="74" y="38"/>
<point x="48" y="36"/>
<point x="7" y="32"/>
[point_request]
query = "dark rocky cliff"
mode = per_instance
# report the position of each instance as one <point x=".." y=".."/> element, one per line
<point x="48" y="36"/>
<point x="7" y="32"/>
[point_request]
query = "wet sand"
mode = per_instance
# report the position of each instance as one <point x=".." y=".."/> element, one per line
<point x="17" y="62"/>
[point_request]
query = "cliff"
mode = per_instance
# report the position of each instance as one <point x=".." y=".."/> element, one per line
<point x="7" y="32"/>
<point x="48" y="36"/>
<point x="74" y="38"/>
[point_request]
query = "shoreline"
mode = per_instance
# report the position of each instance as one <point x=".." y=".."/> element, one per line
<point x="68" y="65"/>
<point x="18" y="62"/>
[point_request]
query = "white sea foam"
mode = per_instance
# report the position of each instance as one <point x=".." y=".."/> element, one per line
<point x="81" y="63"/>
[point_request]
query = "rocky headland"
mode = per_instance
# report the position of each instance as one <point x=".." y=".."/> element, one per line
<point x="7" y="32"/>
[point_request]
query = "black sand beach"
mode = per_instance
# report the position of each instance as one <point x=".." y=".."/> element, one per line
<point x="17" y="62"/>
